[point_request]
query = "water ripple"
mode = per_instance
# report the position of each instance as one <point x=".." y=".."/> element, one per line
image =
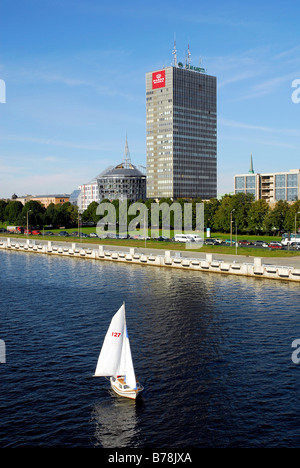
<point x="213" y="352"/>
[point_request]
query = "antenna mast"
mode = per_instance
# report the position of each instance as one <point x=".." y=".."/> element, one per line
<point x="126" y="158"/>
<point x="174" y="52"/>
<point x="189" y="55"/>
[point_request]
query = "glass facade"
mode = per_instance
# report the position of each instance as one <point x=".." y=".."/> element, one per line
<point x="286" y="187"/>
<point x="122" y="183"/>
<point x="181" y="135"/>
<point x="245" y="184"/>
<point x="270" y="187"/>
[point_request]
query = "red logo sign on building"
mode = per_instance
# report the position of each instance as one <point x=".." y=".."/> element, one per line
<point x="158" y="79"/>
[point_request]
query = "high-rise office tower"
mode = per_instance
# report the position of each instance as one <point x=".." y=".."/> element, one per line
<point x="181" y="125"/>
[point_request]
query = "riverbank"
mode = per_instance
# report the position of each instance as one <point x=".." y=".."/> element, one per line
<point x="287" y="268"/>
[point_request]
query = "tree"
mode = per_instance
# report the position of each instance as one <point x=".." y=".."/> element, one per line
<point x="64" y="215"/>
<point x="3" y="205"/>
<point x="210" y="209"/>
<point x="222" y="215"/>
<point x="289" y="222"/>
<point x="50" y="215"/>
<point x="275" y="219"/>
<point x="35" y="212"/>
<point x="257" y="215"/>
<point x="12" y="211"/>
<point x="89" y="215"/>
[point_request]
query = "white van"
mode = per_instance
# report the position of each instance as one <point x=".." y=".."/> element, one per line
<point x="187" y="238"/>
<point x="194" y="237"/>
<point x="181" y="238"/>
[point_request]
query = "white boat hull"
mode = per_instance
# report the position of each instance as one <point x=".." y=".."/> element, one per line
<point x="120" y="387"/>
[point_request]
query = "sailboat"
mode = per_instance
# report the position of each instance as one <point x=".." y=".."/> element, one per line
<point x="115" y="360"/>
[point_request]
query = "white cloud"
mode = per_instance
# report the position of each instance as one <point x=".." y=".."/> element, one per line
<point x="282" y="131"/>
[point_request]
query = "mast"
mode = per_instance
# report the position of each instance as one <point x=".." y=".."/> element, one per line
<point x="126" y="161"/>
<point x="174" y="52"/>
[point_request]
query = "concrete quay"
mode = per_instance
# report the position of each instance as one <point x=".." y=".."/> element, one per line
<point x="287" y="269"/>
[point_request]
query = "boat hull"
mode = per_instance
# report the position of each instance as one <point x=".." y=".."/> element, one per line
<point x="119" y="386"/>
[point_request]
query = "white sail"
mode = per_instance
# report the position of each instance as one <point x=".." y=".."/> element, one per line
<point x="110" y="354"/>
<point x="129" y="373"/>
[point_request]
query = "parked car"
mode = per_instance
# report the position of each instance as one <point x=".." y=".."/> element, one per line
<point x="27" y="232"/>
<point x="82" y="234"/>
<point x="245" y="242"/>
<point x="93" y="234"/>
<point x="49" y="233"/>
<point x="295" y="245"/>
<point x="261" y="243"/>
<point x="63" y="234"/>
<point x="35" y="232"/>
<point x="227" y="242"/>
<point x="275" y="245"/>
<point x="210" y="242"/>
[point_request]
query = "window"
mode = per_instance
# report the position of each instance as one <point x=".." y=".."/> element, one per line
<point x="250" y="182"/>
<point x="292" y="180"/>
<point x="280" y="194"/>
<point x="239" y="182"/>
<point x="280" y="181"/>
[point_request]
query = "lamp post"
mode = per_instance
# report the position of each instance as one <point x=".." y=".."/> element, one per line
<point x="29" y="211"/>
<point x="231" y="226"/>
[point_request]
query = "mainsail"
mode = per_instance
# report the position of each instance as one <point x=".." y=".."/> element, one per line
<point x="115" y="356"/>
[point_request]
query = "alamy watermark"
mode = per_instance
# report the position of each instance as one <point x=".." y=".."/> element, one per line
<point x="2" y="92"/>
<point x="295" y="357"/>
<point x="2" y="352"/>
<point x="187" y="221"/>
<point x="296" y="93"/>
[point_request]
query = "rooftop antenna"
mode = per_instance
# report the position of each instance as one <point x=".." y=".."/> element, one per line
<point x="174" y="52"/>
<point x="189" y="55"/>
<point x="126" y="158"/>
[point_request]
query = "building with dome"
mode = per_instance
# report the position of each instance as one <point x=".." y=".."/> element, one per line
<point x="123" y="181"/>
<point x="115" y="183"/>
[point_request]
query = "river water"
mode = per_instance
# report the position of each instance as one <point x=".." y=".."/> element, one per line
<point x="212" y="351"/>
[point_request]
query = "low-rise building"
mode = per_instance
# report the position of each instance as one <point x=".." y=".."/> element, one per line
<point x="46" y="200"/>
<point x="271" y="186"/>
<point x="115" y="183"/>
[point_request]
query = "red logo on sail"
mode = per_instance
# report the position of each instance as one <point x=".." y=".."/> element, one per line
<point x="158" y="79"/>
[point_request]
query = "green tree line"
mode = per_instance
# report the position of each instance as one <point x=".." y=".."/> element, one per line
<point x="248" y="216"/>
<point x="15" y="213"/>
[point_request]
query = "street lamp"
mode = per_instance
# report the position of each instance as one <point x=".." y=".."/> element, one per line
<point x="231" y="226"/>
<point x="29" y="211"/>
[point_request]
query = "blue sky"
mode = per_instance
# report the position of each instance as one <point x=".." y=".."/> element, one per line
<point x="75" y="84"/>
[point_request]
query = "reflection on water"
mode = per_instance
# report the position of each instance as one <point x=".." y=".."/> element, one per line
<point x="212" y="351"/>
<point x="115" y="422"/>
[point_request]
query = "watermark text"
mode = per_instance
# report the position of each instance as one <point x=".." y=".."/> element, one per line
<point x="296" y="93"/>
<point x="2" y="352"/>
<point x="183" y="221"/>
<point x="2" y="92"/>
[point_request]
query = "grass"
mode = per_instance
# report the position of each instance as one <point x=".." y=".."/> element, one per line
<point x="164" y="245"/>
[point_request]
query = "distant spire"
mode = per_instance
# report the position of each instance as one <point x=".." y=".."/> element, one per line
<point x="251" y="171"/>
<point x="175" y="52"/>
<point x="126" y="158"/>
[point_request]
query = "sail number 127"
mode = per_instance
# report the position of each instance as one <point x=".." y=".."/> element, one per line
<point x="115" y="334"/>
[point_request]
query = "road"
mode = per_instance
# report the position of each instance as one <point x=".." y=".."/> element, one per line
<point x="187" y="253"/>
